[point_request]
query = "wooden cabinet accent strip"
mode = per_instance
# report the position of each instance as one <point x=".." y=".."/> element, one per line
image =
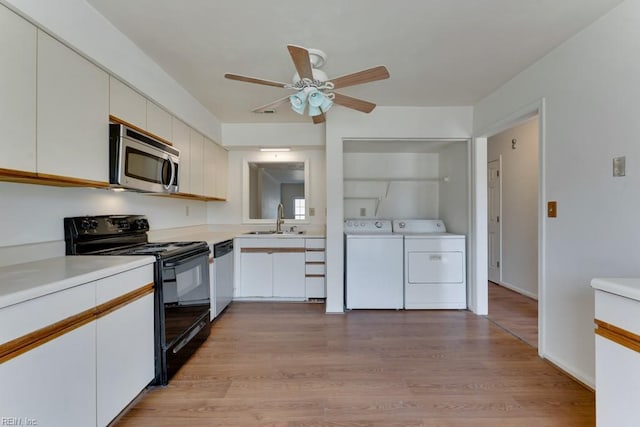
<point x="122" y="300"/>
<point x="314" y="275"/>
<point x="189" y="196"/>
<point x="271" y="250"/>
<point x="41" y="336"/>
<point x="315" y="249"/>
<point x="618" y="335"/>
<point x="23" y="177"/>
<point x="115" y="119"/>
<point x="314" y="262"/>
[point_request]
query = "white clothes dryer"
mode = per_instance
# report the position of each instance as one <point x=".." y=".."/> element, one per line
<point x="373" y="265"/>
<point x="434" y="265"/>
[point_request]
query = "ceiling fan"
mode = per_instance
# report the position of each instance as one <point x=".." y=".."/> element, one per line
<point x="313" y="89"/>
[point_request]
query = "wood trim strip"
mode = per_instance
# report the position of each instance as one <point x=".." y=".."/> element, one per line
<point x="314" y="275"/>
<point x="271" y="250"/>
<point x="618" y="335"/>
<point x="315" y="249"/>
<point x="24" y="177"/>
<point x="119" y="302"/>
<point x="188" y="196"/>
<point x="314" y="262"/>
<point x="116" y="119"/>
<point x="25" y="343"/>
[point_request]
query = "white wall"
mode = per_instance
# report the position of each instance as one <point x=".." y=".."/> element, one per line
<point x="454" y="187"/>
<point x="404" y="199"/>
<point x="383" y="122"/>
<point x="591" y="92"/>
<point x="519" y="218"/>
<point x="34" y="213"/>
<point x="80" y="26"/>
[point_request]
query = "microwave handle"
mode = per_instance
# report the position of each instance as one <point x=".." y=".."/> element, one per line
<point x="173" y="174"/>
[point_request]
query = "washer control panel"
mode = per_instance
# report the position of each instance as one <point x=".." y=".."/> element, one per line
<point x="367" y="226"/>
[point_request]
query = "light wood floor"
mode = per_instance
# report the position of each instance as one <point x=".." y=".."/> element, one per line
<point x="291" y="365"/>
<point x="516" y="313"/>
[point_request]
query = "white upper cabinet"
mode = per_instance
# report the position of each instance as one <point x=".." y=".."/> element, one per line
<point x="215" y="170"/>
<point x="196" y="165"/>
<point x="222" y="167"/>
<point x="18" y="92"/>
<point x="210" y="153"/>
<point x="159" y="122"/>
<point x="127" y="104"/>
<point x="72" y="111"/>
<point x="180" y="138"/>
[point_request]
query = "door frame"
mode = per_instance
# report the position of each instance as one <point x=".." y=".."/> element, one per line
<point x="499" y="161"/>
<point x="478" y="295"/>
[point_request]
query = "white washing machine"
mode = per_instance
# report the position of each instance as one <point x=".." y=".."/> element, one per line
<point x="435" y="274"/>
<point x="373" y="265"/>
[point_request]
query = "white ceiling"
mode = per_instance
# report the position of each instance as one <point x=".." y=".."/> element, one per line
<point x="438" y="52"/>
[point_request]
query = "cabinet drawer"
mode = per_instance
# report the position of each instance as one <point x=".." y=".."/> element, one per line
<point x="618" y="311"/>
<point x="315" y="287"/>
<point x="314" y="269"/>
<point x="21" y="319"/>
<point x="120" y="284"/>
<point x="314" y="243"/>
<point x="315" y="256"/>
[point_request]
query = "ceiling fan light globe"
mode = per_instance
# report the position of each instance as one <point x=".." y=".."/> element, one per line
<point x="316" y="99"/>
<point x="326" y="104"/>
<point x="298" y="102"/>
<point x="314" y="111"/>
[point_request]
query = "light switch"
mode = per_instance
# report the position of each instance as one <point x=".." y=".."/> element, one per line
<point x="363" y="211"/>
<point x="619" y="167"/>
<point x="552" y="209"/>
<point x="312" y="211"/>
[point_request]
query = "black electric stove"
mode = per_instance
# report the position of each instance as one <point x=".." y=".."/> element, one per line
<point x="181" y="281"/>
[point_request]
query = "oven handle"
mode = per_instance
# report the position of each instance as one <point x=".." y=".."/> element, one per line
<point x="189" y="337"/>
<point x="185" y="260"/>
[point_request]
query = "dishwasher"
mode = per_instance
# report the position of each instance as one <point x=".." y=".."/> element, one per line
<point x="222" y="277"/>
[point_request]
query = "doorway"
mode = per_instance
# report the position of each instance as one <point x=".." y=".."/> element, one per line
<point x="512" y="227"/>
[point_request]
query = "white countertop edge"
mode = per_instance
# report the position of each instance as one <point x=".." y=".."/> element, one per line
<point x="627" y="287"/>
<point x="68" y="272"/>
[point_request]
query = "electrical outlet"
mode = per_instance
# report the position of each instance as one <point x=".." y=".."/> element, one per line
<point x="363" y="211"/>
<point x="312" y="211"/>
<point x="619" y="167"/>
<point x="186" y="210"/>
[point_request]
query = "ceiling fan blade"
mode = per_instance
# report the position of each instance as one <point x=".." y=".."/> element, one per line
<point x="301" y="60"/>
<point x="271" y="105"/>
<point x="254" y="80"/>
<point x="320" y="118"/>
<point x="355" y="103"/>
<point x="364" y="76"/>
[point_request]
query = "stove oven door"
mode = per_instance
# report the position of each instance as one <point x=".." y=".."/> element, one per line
<point x="185" y="304"/>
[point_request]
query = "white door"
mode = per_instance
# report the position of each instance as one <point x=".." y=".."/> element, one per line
<point x="495" y="207"/>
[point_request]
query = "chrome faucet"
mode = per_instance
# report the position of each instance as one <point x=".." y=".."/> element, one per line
<point x="280" y="218"/>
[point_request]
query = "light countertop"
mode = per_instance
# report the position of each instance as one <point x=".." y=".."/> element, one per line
<point x="625" y="287"/>
<point x="22" y="282"/>
<point x="213" y="237"/>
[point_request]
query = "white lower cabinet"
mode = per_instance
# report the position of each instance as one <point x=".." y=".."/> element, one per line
<point x="617" y="340"/>
<point x="125" y="356"/>
<point x="89" y="352"/>
<point x="52" y="384"/>
<point x="270" y="268"/>
<point x="288" y="275"/>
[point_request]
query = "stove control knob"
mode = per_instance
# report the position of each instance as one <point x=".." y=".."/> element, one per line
<point x="85" y="224"/>
<point x="140" y="224"/>
<point x="378" y="224"/>
<point x="93" y="224"/>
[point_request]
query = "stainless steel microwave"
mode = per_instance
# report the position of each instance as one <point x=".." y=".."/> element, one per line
<point x="139" y="162"/>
